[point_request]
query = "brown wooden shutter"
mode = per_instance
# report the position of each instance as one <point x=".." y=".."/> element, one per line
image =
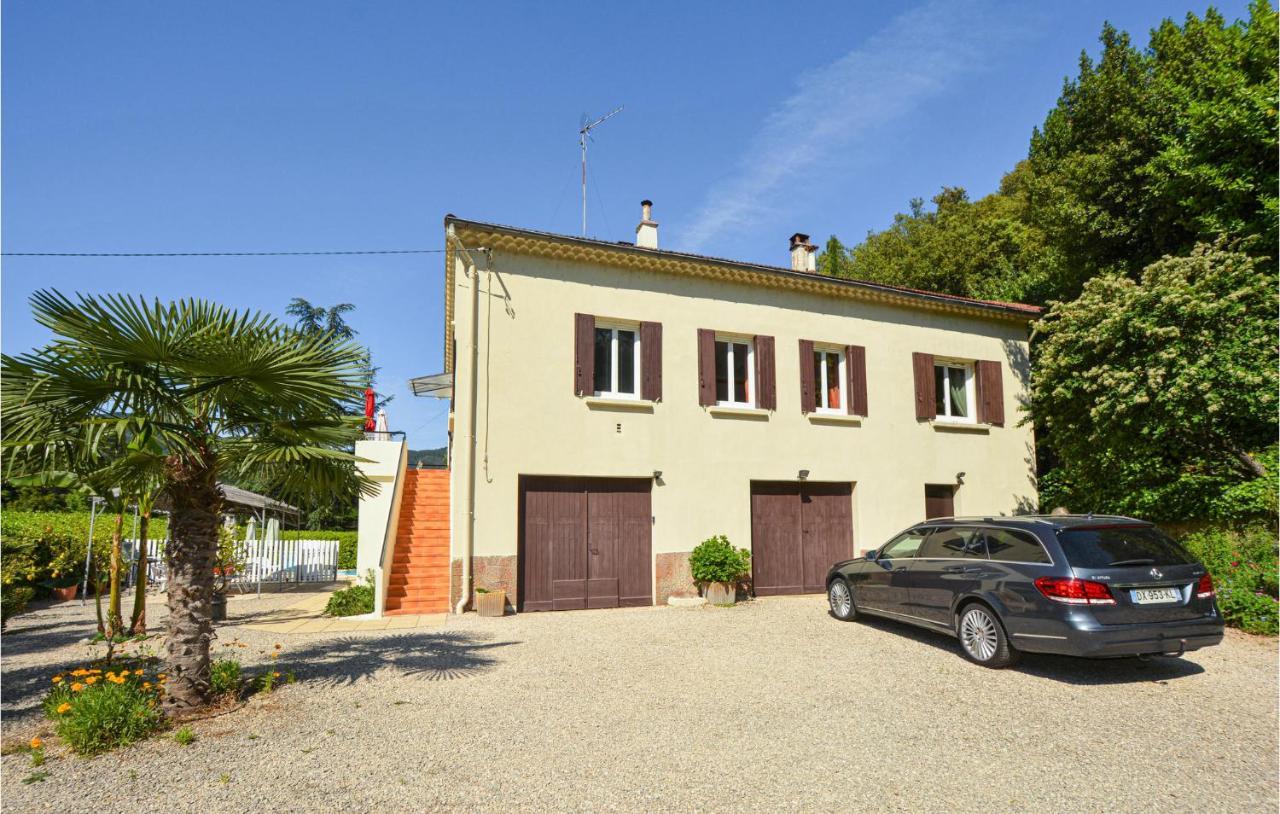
<point x="808" y="399"/>
<point x="584" y="362"/>
<point x="651" y="361"/>
<point x="766" y="379"/>
<point x="706" y="367"/>
<point x="922" y="367"/>
<point x="990" y="393"/>
<point x="855" y="360"/>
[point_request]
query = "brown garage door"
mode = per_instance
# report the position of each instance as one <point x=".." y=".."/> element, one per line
<point x="584" y="543"/>
<point x="798" y="530"/>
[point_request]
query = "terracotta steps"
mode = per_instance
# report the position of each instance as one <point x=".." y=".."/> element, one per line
<point x="419" y="579"/>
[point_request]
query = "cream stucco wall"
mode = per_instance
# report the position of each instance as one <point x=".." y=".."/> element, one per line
<point x="530" y="422"/>
<point x="383" y="462"/>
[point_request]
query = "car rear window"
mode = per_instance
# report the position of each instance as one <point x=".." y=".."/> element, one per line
<point x="1014" y="546"/>
<point x="1119" y="546"/>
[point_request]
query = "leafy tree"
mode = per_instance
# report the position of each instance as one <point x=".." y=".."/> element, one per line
<point x="834" y="259"/>
<point x="1160" y="394"/>
<point x="203" y="390"/>
<point x="315" y="319"/>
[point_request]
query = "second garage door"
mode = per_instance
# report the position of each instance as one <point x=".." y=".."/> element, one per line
<point x="584" y="543"/>
<point x="798" y="531"/>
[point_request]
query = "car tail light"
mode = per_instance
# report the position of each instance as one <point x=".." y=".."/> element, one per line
<point x="1075" y="591"/>
<point x="1204" y="588"/>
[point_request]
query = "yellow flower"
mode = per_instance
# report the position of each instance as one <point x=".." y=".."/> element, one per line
<point x="57" y="679"/>
<point x="146" y="685"/>
<point x="275" y="655"/>
<point x="111" y="676"/>
<point x="160" y="676"/>
<point x="116" y="679"/>
<point x="64" y="708"/>
<point x="275" y="675"/>
<point x="137" y="672"/>
<point x="36" y="742"/>
<point x="90" y="680"/>
<point x="80" y="672"/>
<point x="77" y="687"/>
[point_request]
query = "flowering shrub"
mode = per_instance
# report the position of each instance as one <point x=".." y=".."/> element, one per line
<point x="224" y="676"/>
<point x="96" y="709"/>
<point x="1244" y="569"/>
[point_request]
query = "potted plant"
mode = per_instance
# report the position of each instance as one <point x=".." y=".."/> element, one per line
<point x="63" y="586"/>
<point x="717" y="565"/>
<point x="491" y="603"/>
<point x="225" y="566"/>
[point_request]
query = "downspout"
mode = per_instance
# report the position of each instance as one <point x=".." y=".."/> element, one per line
<point x="468" y="537"/>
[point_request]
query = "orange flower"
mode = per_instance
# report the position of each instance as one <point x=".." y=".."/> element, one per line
<point x="64" y="708"/>
<point x="90" y="680"/>
<point x="111" y="676"/>
<point x="275" y="675"/>
<point x="160" y="676"/>
<point x="57" y="679"/>
<point x="146" y="685"/>
<point x="80" y="672"/>
<point x="137" y="672"/>
<point x="77" y="687"/>
<point x="36" y="743"/>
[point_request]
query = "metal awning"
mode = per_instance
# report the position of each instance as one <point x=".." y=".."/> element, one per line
<point x="253" y="500"/>
<point x="436" y="386"/>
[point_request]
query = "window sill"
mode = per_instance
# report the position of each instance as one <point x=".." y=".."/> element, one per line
<point x="753" y="413"/>
<point x="603" y="403"/>
<point x="960" y="426"/>
<point x="836" y="418"/>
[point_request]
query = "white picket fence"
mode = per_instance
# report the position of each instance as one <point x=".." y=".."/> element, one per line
<point x="269" y="561"/>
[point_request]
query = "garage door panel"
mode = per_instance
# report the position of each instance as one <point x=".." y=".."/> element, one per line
<point x="827" y="520"/>
<point x="585" y="543"/>
<point x="776" y="566"/>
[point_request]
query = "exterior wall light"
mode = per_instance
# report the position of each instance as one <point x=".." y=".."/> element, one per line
<point x="804" y="474"/>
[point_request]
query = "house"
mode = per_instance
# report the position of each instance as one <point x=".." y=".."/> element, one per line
<point x="613" y="404"/>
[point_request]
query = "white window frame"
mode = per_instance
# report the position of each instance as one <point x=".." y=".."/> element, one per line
<point x="820" y="382"/>
<point x="612" y="392"/>
<point x="750" y="342"/>
<point x="969" y="391"/>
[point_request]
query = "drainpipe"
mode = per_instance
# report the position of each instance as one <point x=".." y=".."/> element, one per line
<point x="468" y="537"/>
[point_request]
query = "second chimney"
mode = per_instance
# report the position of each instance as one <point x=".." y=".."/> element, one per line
<point x="647" y="231"/>
<point x="804" y="255"/>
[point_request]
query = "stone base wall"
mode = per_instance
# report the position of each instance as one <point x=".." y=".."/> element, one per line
<point x="494" y="573"/>
<point x="674" y="577"/>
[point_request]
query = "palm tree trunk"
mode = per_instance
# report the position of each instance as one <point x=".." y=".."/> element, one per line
<point x="195" y="505"/>
<point x="115" y="623"/>
<point x="138" y="624"/>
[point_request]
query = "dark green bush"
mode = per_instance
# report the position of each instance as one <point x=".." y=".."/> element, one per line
<point x="346" y="543"/>
<point x="716" y="560"/>
<point x="1244" y="569"/>
<point x="351" y="601"/>
<point x="13" y="601"/>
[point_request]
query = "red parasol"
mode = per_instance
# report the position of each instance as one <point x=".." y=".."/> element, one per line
<point x="368" y="409"/>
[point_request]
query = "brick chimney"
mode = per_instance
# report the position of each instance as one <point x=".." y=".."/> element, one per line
<point x="804" y="255"/>
<point x="647" y="231"/>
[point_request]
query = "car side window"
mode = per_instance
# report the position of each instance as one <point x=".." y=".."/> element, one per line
<point x="954" y="543"/>
<point x="1005" y="545"/>
<point x="904" y="546"/>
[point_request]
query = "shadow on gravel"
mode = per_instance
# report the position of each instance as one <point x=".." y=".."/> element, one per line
<point x="432" y="656"/>
<point x="1068" y="670"/>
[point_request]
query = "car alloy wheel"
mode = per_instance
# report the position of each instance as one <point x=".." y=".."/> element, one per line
<point x="841" y="600"/>
<point x="978" y="635"/>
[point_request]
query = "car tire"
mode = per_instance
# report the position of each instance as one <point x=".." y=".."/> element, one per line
<point x="982" y="637"/>
<point x="840" y="598"/>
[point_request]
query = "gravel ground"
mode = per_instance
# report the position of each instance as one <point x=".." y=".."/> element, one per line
<point x="772" y="705"/>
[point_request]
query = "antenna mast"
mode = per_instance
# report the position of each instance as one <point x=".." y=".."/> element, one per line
<point x="583" y="134"/>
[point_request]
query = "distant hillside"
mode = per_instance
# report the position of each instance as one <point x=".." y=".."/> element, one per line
<point x="427" y="457"/>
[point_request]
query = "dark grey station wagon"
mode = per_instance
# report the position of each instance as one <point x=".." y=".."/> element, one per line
<point x="1073" y="585"/>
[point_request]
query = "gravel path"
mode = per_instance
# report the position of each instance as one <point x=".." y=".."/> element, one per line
<point x="771" y="705"/>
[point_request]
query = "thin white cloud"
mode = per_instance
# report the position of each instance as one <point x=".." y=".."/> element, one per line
<point x="917" y="55"/>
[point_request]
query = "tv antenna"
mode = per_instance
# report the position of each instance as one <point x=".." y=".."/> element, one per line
<point x="583" y="134"/>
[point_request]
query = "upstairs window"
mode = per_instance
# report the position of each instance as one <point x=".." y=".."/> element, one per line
<point x="953" y="392"/>
<point x="617" y="361"/>
<point x="735" y="372"/>
<point x="828" y="373"/>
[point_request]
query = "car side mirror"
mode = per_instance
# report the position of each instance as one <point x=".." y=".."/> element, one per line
<point x="871" y="555"/>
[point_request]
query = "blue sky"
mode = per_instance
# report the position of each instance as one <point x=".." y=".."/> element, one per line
<point x="282" y="126"/>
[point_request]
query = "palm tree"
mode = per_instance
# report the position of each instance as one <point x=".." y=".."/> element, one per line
<point x="203" y="392"/>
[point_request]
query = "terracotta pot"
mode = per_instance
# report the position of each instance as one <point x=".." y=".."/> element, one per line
<point x="491" y="603"/>
<point x="66" y="594"/>
<point x="722" y="593"/>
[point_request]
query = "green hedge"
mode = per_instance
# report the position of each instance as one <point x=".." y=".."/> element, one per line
<point x="1244" y="569"/>
<point x="346" y="543"/>
<point x="40" y="546"/>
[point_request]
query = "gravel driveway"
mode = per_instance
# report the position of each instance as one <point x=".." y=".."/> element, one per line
<point x="772" y="705"/>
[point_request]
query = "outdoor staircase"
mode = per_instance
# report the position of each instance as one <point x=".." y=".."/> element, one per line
<point x="419" y="580"/>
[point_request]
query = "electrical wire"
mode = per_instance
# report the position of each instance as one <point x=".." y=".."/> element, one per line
<point x="219" y="254"/>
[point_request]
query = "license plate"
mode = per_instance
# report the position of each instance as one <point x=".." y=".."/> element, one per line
<point x="1151" y="596"/>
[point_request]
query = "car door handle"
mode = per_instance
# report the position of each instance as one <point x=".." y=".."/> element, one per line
<point x="961" y="569"/>
<point x="899" y="569"/>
